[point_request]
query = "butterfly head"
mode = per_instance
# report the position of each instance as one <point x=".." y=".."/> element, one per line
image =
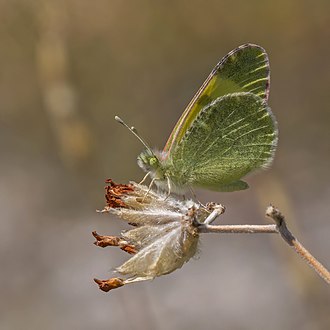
<point x="148" y="161"/>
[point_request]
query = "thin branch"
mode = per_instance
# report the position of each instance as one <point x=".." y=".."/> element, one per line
<point x="238" y="229"/>
<point x="279" y="219"/>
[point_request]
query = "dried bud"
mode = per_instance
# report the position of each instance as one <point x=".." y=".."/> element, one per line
<point x="104" y="241"/>
<point x="114" y="192"/>
<point x="110" y="284"/>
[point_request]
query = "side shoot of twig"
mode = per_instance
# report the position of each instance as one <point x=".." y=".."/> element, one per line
<point x="279" y="219"/>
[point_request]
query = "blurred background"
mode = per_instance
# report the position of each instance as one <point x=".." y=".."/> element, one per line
<point x="66" y="68"/>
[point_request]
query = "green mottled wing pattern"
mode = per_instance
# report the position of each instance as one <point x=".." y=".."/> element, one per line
<point x="230" y="137"/>
<point x="245" y="69"/>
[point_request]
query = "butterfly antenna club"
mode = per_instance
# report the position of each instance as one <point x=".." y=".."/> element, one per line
<point x="134" y="131"/>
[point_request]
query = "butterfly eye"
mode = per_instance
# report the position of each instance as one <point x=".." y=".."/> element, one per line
<point x="153" y="161"/>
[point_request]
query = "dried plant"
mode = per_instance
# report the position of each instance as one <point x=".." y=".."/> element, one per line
<point x="166" y="232"/>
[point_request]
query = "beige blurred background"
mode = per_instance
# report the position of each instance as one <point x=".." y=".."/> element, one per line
<point x="66" y="68"/>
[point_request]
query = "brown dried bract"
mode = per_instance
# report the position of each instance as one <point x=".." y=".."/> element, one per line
<point x="104" y="241"/>
<point x="129" y="248"/>
<point x="114" y="191"/>
<point x="110" y="284"/>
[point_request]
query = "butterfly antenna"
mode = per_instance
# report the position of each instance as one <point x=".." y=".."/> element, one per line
<point x="135" y="132"/>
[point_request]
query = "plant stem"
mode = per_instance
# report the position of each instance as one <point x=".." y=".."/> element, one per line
<point x="279" y="219"/>
<point x="279" y="228"/>
<point x="238" y="229"/>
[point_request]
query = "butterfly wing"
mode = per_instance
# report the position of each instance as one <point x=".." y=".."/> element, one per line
<point x="245" y="69"/>
<point x="230" y="137"/>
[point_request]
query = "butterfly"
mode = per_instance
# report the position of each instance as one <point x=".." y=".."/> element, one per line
<point x="226" y="131"/>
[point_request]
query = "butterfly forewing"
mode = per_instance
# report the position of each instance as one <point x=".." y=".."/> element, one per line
<point x="232" y="136"/>
<point x="245" y="69"/>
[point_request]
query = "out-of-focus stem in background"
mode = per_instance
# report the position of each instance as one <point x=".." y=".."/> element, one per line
<point x="72" y="134"/>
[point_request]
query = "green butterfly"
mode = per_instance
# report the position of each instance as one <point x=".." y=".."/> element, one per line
<point x="226" y="131"/>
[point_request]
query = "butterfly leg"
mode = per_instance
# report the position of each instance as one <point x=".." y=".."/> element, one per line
<point x="150" y="185"/>
<point x="195" y="197"/>
<point x="191" y="190"/>
<point x="144" y="178"/>
<point x="169" y="188"/>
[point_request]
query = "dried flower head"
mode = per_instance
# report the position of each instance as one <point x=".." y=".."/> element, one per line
<point x="164" y="237"/>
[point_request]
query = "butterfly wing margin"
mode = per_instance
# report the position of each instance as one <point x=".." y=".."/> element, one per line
<point x="231" y="137"/>
<point x="244" y="69"/>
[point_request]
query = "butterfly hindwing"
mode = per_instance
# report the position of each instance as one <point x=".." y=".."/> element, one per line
<point x="235" y="134"/>
<point x="245" y="69"/>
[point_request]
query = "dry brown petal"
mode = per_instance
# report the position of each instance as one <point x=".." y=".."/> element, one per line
<point x="129" y="248"/>
<point x="104" y="241"/>
<point x="114" y="202"/>
<point x="115" y="191"/>
<point x="110" y="284"/>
